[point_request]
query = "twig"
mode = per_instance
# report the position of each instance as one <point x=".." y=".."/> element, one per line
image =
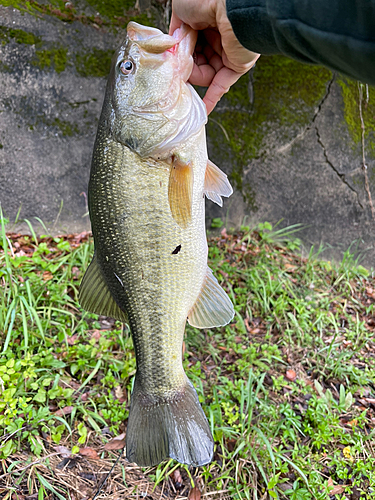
<point x="364" y="166"/>
<point x="109" y="473"/>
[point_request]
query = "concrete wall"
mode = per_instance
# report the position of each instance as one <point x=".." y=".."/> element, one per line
<point x="288" y="134"/>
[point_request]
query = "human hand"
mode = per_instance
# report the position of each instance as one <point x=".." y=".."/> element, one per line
<point x="220" y="59"/>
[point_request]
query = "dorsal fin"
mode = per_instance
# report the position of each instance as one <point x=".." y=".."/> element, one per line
<point x="180" y="191"/>
<point x="213" y="306"/>
<point x="94" y="295"/>
<point x="216" y="184"/>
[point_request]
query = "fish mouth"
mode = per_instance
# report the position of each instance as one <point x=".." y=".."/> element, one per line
<point x="181" y="44"/>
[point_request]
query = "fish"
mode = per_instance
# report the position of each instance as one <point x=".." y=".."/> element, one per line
<point x="149" y="178"/>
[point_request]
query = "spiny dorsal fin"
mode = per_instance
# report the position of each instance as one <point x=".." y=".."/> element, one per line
<point x="213" y="307"/>
<point x="94" y="294"/>
<point x="180" y="191"/>
<point x="216" y="184"/>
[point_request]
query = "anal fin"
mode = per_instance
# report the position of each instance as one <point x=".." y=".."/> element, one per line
<point x="216" y="184"/>
<point x="95" y="296"/>
<point x="180" y="191"/>
<point x="213" y="307"/>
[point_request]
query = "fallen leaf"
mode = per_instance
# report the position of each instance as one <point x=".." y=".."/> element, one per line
<point x="63" y="451"/>
<point x="119" y="393"/>
<point x="254" y="331"/>
<point x="72" y="340"/>
<point x="96" y="334"/>
<point x="18" y="496"/>
<point x="117" y="443"/>
<point x="337" y="490"/>
<point x="195" y="494"/>
<point x="353" y="423"/>
<point x="177" y="478"/>
<point x="291" y="375"/>
<point x="224" y="233"/>
<point x="89" y="453"/>
<point x="67" y="410"/>
<point x="47" y="275"/>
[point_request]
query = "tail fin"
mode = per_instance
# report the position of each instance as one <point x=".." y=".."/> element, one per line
<point x="175" y="428"/>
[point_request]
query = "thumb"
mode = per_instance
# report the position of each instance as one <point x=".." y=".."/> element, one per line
<point x="174" y="24"/>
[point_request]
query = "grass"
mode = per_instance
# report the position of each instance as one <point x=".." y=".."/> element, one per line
<point x="288" y="387"/>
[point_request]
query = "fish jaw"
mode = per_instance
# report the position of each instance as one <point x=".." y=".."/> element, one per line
<point x="180" y="45"/>
<point x="187" y="38"/>
<point x="153" y="107"/>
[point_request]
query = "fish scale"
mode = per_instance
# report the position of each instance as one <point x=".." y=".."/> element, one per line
<point x="142" y="245"/>
<point x="148" y="179"/>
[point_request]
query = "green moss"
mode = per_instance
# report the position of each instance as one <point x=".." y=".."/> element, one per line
<point x="97" y="62"/>
<point x="116" y="13"/>
<point x="350" y="94"/>
<point x="285" y="94"/>
<point x="19" y="36"/>
<point x="56" y="57"/>
<point x="112" y="8"/>
<point x="55" y="8"/>
<point x="67" y="128"/>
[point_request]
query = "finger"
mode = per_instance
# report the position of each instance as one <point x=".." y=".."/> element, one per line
<point x="221" y="83"/>
<point x="216" y="62"/>
<point x="174" y="24"/>
<point x="213" y="39"/>
<point x="200" y="59"/>
<point x="202" y="75"/>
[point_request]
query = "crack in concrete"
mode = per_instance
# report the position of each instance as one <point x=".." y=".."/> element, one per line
<point x="339" y="174"/>
<point x="308" y="127"/>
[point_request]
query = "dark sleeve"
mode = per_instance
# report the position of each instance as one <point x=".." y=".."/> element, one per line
<point x="339" y="34"/>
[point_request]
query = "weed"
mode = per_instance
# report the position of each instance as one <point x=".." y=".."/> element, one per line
<point x="287" y="386"/>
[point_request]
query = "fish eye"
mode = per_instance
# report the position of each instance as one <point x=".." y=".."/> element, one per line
<point x="126" y="67"/>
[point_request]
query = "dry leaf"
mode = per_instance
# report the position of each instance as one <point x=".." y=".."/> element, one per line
<point x="177" y="478"/>
<point x="195" y="494"/>
<point x="71" y="340"/>
<point x="67" y="410"/>
<point x="96" y="334"/>
<point x="291" y="375"/>
<point x="47" y="275"/>
<point x="120" y="394"/>
<point x="337" y="490"/>
<point x="117" y="443"/>
<point x="63" y="451"/>
<point x="89" y="453"/>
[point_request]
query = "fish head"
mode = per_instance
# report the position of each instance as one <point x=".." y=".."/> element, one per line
<point x="147" y="84"/>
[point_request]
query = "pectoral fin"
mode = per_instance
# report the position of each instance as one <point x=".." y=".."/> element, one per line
<point x="94" y="294"/>
<point x="216" y="184"/>
<point x="180" y="191"/>
<point x="213" y="307"/>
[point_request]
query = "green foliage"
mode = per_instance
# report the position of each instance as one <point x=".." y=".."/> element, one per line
<point x="280" y="385"/>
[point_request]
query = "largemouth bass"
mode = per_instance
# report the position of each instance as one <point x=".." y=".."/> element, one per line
<point x="148" y="179"/>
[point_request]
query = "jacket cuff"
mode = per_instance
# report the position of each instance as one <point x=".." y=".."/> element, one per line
<point x="252" y="25"/>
